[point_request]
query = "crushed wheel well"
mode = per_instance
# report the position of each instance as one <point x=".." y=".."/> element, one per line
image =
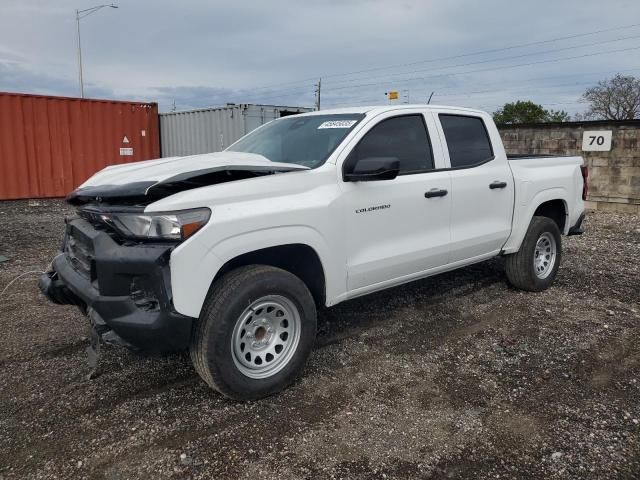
<point x="299" y="259"/>
<point x="555" y="210"/>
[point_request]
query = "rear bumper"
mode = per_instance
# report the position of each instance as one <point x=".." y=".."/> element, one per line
<point x="577" y="229"/>
<point x="127" y="290"/>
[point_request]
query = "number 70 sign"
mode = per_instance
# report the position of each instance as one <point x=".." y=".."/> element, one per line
<point x="596" y="141"/>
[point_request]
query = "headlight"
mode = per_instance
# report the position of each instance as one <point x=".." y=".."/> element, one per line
<point x="158" y="226"/>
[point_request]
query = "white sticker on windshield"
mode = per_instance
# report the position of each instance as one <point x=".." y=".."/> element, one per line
<point x="338" y="124"/>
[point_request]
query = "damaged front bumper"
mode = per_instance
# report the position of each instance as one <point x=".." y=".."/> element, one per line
<point x="125" y="289"/>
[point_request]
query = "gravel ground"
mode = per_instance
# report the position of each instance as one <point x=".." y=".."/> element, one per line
<point x="457" y="376"/>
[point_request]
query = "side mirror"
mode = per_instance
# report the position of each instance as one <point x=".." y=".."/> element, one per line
<point x="372" y="169"/>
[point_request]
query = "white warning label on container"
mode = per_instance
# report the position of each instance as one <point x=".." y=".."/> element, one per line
<point x="126" y="152"/>
<point x="125" y="139"/>
<point x="338" y="124"/>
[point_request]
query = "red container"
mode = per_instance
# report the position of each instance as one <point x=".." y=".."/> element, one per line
<point x="50" y="145"/>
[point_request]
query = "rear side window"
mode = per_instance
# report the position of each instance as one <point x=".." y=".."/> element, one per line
<point x="404" y="138"/>
<point x="467" y="139"/>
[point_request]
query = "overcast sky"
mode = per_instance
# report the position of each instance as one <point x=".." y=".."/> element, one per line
<point x="200" y="53"/>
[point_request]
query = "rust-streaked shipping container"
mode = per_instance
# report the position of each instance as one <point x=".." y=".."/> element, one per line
<point x="50" y="145"/>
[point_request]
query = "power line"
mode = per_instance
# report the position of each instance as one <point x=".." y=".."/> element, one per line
<point x="479" y="52"/>
<point x="581" y="75"/>
<point x="505" y="89"/>
<point x="293" y="91"/>
<point x="494" y="50"/>
<point x="274" y="88"/>
<point x="501" y="83"/>
<point x="503" y="67"/>
<point x="513" y="57"/>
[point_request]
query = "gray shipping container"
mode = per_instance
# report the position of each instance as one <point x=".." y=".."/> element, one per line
<point x="214" y="129"/>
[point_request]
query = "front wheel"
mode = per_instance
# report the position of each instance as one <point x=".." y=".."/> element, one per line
<point x="535" y="265"/>
<point x="255" y="332"/>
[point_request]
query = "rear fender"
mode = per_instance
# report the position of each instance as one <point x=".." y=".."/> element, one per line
<point x="523" y="214"/>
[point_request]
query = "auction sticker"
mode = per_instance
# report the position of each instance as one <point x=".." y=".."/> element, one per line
<point x="338" y="124"/>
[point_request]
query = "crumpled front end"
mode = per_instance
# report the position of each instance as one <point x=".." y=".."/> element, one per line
<point x="116" y="267"/>
<point x="125" y="287"/>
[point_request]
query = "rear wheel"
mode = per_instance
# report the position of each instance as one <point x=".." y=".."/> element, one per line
<point x="255" y="332"/>
<point x="535" y="265"/>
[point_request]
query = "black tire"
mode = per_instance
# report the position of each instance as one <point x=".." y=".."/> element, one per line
<point x="519" y="266"/>
<point x="211" y="343"/>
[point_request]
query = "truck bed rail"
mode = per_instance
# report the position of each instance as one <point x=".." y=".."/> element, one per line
<point x="523" y="156"/>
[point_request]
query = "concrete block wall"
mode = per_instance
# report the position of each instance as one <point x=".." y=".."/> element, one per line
<point x="614" y="176"/>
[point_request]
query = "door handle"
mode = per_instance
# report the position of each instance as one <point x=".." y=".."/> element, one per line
<point x="497" y="184"/>
<point x="436" y="192"/>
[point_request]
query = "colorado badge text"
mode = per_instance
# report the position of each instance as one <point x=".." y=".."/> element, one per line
<point x="371" y="209"/>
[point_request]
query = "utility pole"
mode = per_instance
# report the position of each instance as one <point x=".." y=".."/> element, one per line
<point x="79" y="15"/>
<point x="317" y="93"/>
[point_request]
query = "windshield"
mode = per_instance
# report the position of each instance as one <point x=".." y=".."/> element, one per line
<point x="306" y="140"/>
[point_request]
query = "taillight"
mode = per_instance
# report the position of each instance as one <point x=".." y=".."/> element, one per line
<point x="585" y="181"/>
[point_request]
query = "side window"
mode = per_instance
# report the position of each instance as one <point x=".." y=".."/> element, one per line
<point x="404" y="138"/>
<point x="467" y="139"/>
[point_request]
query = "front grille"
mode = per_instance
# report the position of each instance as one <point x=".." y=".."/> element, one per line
<point x="80" y="253"/>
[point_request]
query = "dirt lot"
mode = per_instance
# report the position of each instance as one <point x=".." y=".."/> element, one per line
<point x="457" y="376"/>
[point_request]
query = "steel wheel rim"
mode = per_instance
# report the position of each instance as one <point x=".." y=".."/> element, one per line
<point x="544" y="257"/>
<point x="266" y="336"/>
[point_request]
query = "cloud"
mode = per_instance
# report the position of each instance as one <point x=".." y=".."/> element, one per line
<point x="200" y="53"/>
<point x="184" y="97"/>
<point x="14" y="77"/>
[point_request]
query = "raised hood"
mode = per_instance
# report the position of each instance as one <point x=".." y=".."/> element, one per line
<point x="150" y="180"/>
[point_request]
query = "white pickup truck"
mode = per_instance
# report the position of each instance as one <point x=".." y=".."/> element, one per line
<point x="229" y="254"/>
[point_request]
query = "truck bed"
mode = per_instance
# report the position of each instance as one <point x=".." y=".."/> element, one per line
<point x="539" y="178"/>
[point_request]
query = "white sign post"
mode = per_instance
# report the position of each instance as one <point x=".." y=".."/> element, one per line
<point x="597" y="141"/>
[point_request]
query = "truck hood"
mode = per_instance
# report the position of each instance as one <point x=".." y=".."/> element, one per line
<point x="147" y="181"/>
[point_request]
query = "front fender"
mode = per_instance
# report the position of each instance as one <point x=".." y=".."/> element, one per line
<point x="524" y="210"/>
<point x="194" y="264"/>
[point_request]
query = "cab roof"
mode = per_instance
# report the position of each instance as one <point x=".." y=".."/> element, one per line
<point x="376" y="109"/>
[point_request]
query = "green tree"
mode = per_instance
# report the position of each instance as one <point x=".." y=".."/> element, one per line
<point x="527" y="112"/>
<point x="614" y="99"/>
<point x="557" y="116"/>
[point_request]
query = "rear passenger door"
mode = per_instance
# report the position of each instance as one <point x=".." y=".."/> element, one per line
<point x="392" y="230"/>
<point x="481" y="186"/>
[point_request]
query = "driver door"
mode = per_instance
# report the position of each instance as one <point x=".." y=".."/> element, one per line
<point x="397" y="229"/>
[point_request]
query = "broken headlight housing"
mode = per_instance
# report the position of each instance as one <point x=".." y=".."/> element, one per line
<point x="175" y="226"/>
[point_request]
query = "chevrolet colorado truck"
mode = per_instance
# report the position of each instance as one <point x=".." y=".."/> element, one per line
<point x="230" y="254"/>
